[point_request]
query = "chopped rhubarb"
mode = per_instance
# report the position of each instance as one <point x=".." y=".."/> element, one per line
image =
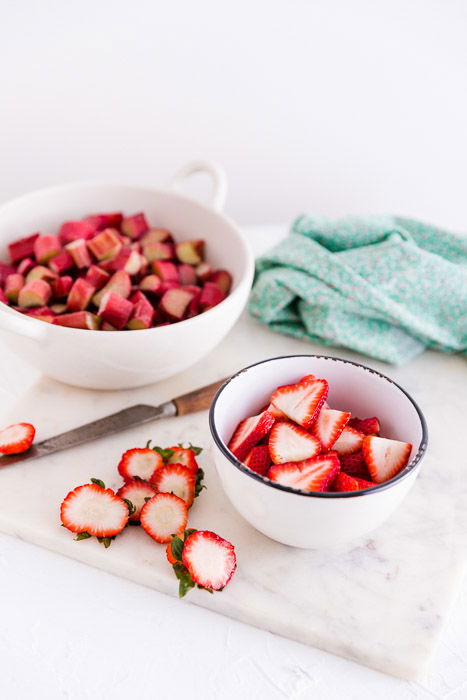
<point x="42" y="313"/>
<point x="5" y="270"/>
<point x="46" y="248"/>
<point x="158" y="251"/>
<point x="119" y="283"/>
<point x="58" y="308"/>
<point x="40" y="272"/>
<point x="106" y="244"/>
<point x="174" y="303"/>
<point x="211" y="295"/>
<point x="97" y="277"/>
<point x="134" y="226"/>
<point x="34" y="293"/>
<point x="128" y="260"/>
<point x="74" y="230"/>
<point x="61" y="262"/>
<point x="142" y="315"/>
<point x="25" y="265"/>
<point x="190" y="252"/>
<point x="3" y="298"/>
<point x="80" y="319"/>
<point x="22" y="248"/>
<point x="101" y="221"/>
<point x="204" y="271"/>
<point x="151" y="283"/>
<point x="223" y="279"/>
<point x="167" y="271"/>
<point x="13" y="284"/>
<point x="79" y="252"/>
<point x="106" y="326"/>
<point x="157" y="235"/>
<point x="170" y="284"/>
<point x="61" y="286"/>
<point x="115" y="309"/>
<point x="80" y="295"/>
<point x="187" y="274"/>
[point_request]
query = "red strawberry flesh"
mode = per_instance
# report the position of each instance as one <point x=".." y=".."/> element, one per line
<point x="249" y="432"/>
<point x="209" y="559"/>
<point x="301" y="402"/>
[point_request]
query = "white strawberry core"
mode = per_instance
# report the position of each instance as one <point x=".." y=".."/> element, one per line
<point x="211" y="561"/>
<point x="143" y="464"/>
<point x="165" y="517"/>
<point x="326" y="424"/>
<point x="388" y="456"/>
<point x="12" y="434"/>
<point x="348" y="442"/>
<point x="137" y="495"/>
<point x="176" y="484"/>
<point x="296" y="403"/>
<point x="95" y="510"/>
<point x="289" y="444"/>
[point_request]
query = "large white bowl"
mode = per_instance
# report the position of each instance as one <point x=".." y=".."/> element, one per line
<point x="311" y="519"/>
<point x="103" y="360"/>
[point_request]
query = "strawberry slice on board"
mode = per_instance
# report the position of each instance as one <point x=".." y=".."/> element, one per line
<point x="303" y="401"/>
<point x="258" y="459"/>
<point x="94" y="510"/>
<point x="183" y="455"/>
<point x="210" y="559"/>
<point x="344" y="482"/>
<point x="163" y="516"/>
<point x="329" y="425"/>
<point x="139" y="462"/>
<point x="290" y="443"/>
<point x="16" y="438"/>
<point x="137" y="492"/>
<point x="385" y="458"/>
<point x="368" y="426"/>
<point x="176" y="479"/>
<point x="348" y="442"/>
<point x="314" y="474"/>
<point x="355" y="465"/>
<point x="249" y="432"/>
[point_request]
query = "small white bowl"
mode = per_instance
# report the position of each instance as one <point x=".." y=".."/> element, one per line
<point x="120" y="360"/>
<point x="304" y="518"/>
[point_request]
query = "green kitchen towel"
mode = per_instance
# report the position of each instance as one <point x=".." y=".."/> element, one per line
<point x="384" y="286"/>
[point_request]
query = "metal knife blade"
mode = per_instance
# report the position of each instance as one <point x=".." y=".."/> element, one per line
<point x="114" y="423"/>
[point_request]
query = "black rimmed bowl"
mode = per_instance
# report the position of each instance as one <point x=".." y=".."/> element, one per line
<point x="305" y="518"/>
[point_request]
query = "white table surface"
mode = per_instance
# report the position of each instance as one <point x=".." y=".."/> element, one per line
<point x="70" y="631"/>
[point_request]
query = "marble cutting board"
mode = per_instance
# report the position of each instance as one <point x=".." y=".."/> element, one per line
<point x="381" y="601"/>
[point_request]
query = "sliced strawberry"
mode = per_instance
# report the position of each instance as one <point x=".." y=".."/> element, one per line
<point x="16" y="438"/>
<point x="278" y="415"/>
<point x="289" y="443"/>
<point x="184" y="456"/>
<point x="385" y="458"/>
<point x="249" y="432"/>
<point x="329" y="425"/>
<point x="177" y="479"/>
<point x="136" y="491"/>
<point x="368" y="426"/>
<point x="258" y="459"/>
<point x="344" y="482"/>
<point x="139" y="462"/>
<point x="354" y="465"/>
<point x="163" y="516"/>
<point x="210" y="559"/>
<point x="314" y="474"/>
<point x="349" y="441"/>
<point x="94" y="510"/>
<point x="301" y="402"/>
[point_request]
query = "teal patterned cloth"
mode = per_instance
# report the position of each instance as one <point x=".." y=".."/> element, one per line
<point x="384" y="286"/>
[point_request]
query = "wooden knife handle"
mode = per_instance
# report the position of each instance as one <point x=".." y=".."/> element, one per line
<point x="198" y="400"/>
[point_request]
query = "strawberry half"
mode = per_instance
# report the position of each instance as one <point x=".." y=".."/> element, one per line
<point x="344" y="482"/>
<point x="368" y="426"/>
<point x="315" y="474"/>
<point x="163" y="516"/>
<point x="176" y="479"/>
<point x="136" y="491"/>
<point x="348" y="442"/>
<point x="354" y="465"/>
<point x="184" y="456"/>
<point x="249" y="432"/>
<point x="94" y="510"/>
<point x="16" y="438"/>
<point x="385" y="458"/>
<point x="329" y="425"/>
<point x="139" y="462"/>
<point x="278" y="415"/>
<point x="258" y="459"/>
<point x="210" y="559"/>
<point x="301" y="402"/>
<point x="289" y="443"/>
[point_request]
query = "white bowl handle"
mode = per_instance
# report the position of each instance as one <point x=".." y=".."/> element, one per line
<point x="218" y="176"/>
<point x="20" y="326"/>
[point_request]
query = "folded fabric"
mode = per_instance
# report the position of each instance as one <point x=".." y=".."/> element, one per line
<point x="384" y="286"/>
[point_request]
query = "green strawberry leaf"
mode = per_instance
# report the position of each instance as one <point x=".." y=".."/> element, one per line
<point x="106" y="541"/>
<point x="98" y="482"/>
<point x="196" y="450"/>
<point x="187" y="533"/>
<point x="82" y="536"/>
<point x="199" y="486"/>
<point x="186" y="583"/>
<point x="177" y="548"/>
<point x="164" y="453"/>
<point x="131" y="507"/>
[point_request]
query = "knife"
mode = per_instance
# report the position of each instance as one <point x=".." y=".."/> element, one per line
<point x="198" y="400"/>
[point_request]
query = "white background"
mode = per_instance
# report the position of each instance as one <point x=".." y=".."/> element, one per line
<point x="330" y="107"/>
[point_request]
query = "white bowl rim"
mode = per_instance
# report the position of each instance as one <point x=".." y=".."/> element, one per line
<point x="165" y="191"/>
<point x="320" y="494"/>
